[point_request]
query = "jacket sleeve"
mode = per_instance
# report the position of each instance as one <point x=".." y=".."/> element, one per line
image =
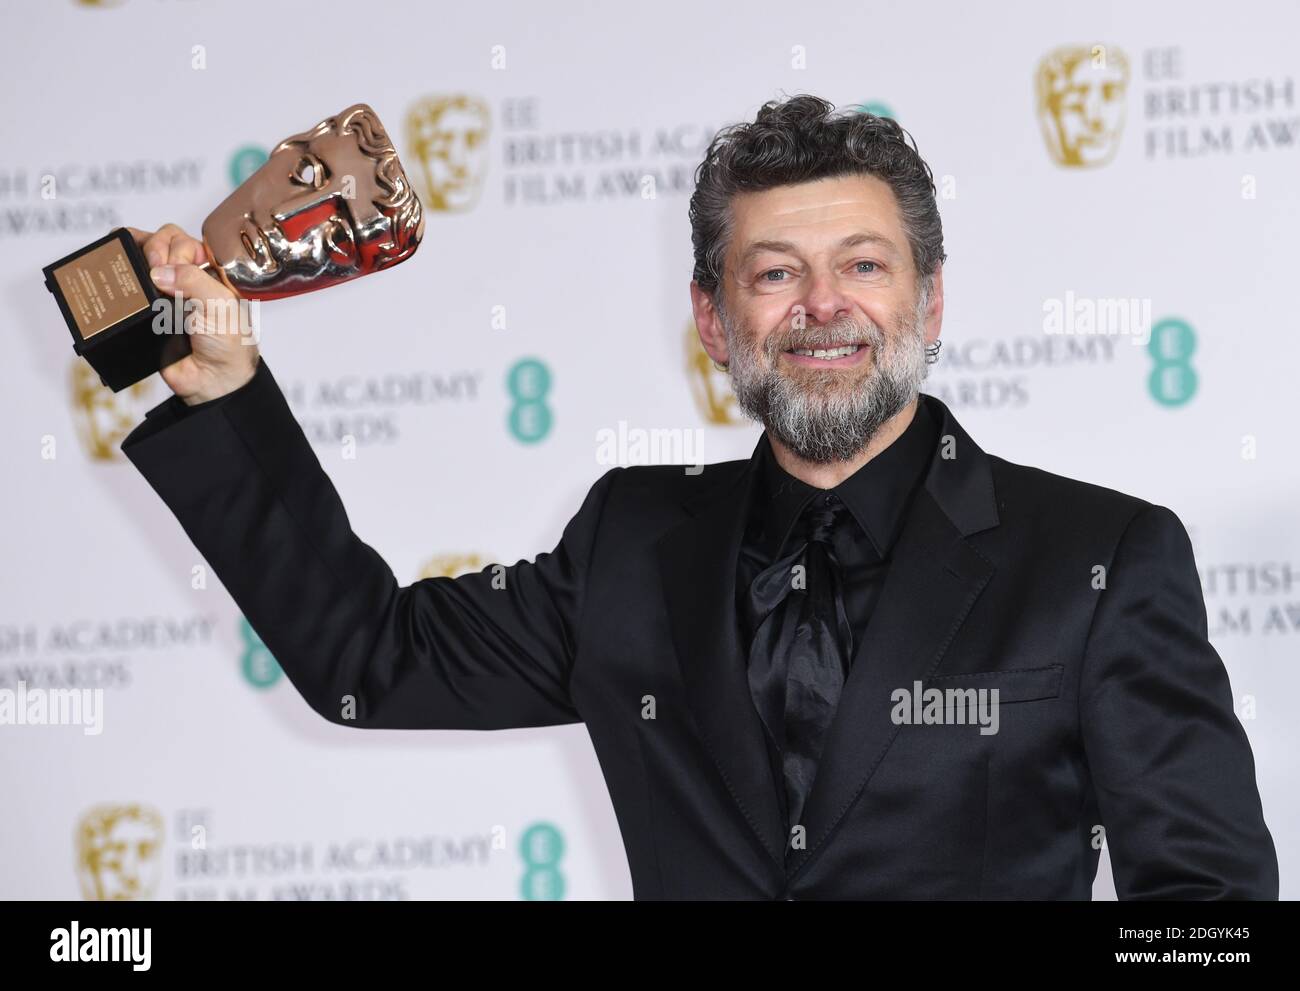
<point x="489" y="650"/>
<point x="1171" y="763"/>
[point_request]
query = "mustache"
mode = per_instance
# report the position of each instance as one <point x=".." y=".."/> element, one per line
<point x="834" y="335"/>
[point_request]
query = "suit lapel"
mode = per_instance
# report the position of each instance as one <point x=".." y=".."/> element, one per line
<point x="698" y="561"/>
<point x="934" y="578"/>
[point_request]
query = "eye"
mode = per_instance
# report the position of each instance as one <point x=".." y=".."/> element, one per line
<point x="869" y="271"/>
<point x="308" y="171"/>
<point x="773" y="271"/>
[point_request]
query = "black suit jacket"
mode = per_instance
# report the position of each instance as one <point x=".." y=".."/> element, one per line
<point x="1115" y="709"/>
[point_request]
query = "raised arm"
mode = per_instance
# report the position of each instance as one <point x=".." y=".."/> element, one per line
<point x="490" y="650"/>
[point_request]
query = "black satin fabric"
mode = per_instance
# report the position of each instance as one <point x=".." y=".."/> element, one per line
<point x="801" y="642"/>
<point x="802" y="646"/>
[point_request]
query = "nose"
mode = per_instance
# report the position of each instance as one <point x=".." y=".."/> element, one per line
<point x="824" y="300"/>
<point x="1093" y="105"/>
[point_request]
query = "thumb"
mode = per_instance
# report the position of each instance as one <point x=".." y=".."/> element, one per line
<point x="189" y="280"/>
<point x="200" y="304"/>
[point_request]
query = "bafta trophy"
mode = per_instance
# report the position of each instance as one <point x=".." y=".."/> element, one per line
<point x="329" y="204"/>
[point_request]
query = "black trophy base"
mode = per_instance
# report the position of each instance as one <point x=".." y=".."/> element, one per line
<point x="108" y="301"/>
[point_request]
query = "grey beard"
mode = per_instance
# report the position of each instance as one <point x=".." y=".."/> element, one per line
<point x="822" y="426"/>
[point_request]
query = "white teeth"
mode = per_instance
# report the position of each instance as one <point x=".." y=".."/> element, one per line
<point x="828" y="353"/>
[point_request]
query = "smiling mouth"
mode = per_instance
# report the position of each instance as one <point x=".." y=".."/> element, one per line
<point x="827" y="354"/>
<point x="844" y="355"/>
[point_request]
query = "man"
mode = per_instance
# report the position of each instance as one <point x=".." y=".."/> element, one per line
<point x="757" y="649"/>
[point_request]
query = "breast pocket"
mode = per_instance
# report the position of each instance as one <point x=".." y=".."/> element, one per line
<point x="1013" y="685"/>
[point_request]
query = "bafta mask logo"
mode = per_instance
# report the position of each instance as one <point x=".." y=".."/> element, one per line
<point x="711" y="387"/>
<point x="102" y="417"/>
<point x="451" y="565"/>
<point x="448" y="135"/>
<point x="1080" y="103"/>
<point x="329" y="205"/>
<point x="119" y="852"/>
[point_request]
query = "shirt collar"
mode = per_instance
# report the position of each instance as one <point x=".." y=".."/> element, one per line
<point x="877" y="494"/>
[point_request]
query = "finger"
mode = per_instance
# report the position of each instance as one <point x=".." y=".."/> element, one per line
<point x="190" y="280"/>
<point x="186" y="250"/>
<point x="157" y="248"/>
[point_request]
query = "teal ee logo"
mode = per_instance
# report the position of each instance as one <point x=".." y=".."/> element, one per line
<point x="875" y="107"/>
<point x="528" y="384"/>
<point x="1173" y="380"/>
<point x="245" y="162"/>
<point x="541" y="847"/>
<point x="260" y="669"/>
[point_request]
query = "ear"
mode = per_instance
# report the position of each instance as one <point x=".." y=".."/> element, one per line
<point x="709" y="325"/>
<point x="934" y="309"/>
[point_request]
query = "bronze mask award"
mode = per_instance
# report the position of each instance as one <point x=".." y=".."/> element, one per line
<point x="329" y="205"/>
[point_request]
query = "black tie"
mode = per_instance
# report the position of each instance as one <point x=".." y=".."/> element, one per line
<point x="802" y="647"/>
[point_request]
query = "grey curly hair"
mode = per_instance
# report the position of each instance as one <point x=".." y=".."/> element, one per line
<point x="803" y="139"/>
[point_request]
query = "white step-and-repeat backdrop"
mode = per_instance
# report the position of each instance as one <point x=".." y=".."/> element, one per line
<point x="554" y="147"/>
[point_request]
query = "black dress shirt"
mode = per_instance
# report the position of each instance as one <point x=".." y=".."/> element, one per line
<point x="877" y="495"/>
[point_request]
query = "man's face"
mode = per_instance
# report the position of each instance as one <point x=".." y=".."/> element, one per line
<point x="825" y="267"/>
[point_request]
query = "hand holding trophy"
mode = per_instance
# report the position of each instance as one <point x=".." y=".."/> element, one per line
<point x="223" y="350"/>
<point x="329" y="205"/>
